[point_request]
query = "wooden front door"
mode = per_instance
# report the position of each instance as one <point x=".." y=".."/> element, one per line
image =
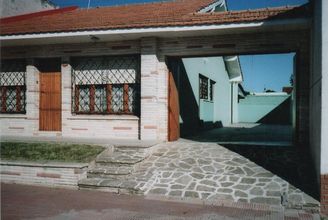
<point x="50" y="101"/>
<point x="173" y="110"/>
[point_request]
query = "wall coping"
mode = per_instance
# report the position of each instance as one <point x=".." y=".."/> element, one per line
<point x="18" y="116"/>
<point x="103" y="117"/>
<point x="43" y="164"/>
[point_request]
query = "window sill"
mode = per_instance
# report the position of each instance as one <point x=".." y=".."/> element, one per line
<point x="13" y="115"/>
<point x="103" y="117"/>
<point x="206" y="100"/>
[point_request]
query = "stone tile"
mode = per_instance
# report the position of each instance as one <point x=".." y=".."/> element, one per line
<point x="266" y="200"/>
<point x="209" y="183"/>
<point x="160" y="191"/>
<point x="176" y="186"/>
<point x="205" y="188"/>
<point x="175" y="193"/>
<point x="197" y="175"/>
<point x="191" y="194"/>
<point x="239" y="193"/>
<point x="224" y="190"/>
<point x="227" y="184"/>
<point x="272" y="186"/>
<point x="257" y="191"/>
<point x="242" y="187"/>
<point x="247" y="180"/>
<point x="273" y="193"/>
<point x="184" y="180"/>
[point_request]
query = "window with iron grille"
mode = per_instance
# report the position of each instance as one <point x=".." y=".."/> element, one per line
<point x="203" y="87"/>
<point x="212" y="83"/>
<point x="106" y="85"/>
<point x="12" y="86"/>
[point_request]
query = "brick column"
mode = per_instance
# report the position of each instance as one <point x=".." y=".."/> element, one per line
<point x="153" y="119"/>
<point x="66" y="72"/>
<point x="32" y="97"/>
<point x="324" y="194"/>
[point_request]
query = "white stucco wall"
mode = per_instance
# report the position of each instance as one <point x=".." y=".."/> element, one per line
<point x="324" y="97"/>
<point x="214" y="69"/>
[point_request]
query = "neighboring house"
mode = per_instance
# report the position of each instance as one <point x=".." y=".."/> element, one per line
<point x="214" y="82"/>
<point x="105" y="72"/>
<point x="19" y="7"/>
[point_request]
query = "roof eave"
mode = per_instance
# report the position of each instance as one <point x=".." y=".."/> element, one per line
<point x="137" y="33"/>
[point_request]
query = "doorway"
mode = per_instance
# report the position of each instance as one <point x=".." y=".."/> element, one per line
<point x="50" y="95"/>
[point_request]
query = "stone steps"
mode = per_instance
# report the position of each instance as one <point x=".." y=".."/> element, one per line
<point x="109" y="171"/>
<point x="110" y="184"/>
<point x="112" y="167"/>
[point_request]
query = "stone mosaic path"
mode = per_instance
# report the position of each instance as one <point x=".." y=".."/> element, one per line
<point x="209" y="171"/>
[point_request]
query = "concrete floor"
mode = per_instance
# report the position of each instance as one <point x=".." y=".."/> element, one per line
<point x="248" y="133"/>
<point x="31" y="202"/>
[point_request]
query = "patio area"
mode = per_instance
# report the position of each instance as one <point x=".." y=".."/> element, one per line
<point x="208" y="171"/>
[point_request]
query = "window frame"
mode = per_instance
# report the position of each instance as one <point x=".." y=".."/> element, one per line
<point x="109" y="92"/>
<point x="20" y="107"/>
<point x="211" y="90"/>
<point x="203" y="87"/>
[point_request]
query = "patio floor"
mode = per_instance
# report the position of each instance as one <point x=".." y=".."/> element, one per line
<point x="189" y="169"/>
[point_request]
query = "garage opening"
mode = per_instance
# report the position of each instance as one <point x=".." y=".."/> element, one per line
<point x="246" y="103"/>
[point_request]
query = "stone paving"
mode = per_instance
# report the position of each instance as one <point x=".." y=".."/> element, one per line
<point x="209" y="171"/>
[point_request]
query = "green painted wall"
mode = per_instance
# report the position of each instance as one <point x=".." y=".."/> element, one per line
<point x="214" y="69"/>
<point x="255" y="107"/>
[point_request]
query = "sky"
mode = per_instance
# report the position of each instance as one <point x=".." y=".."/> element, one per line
<point x="260" y="71"/>
<point x="271" y="71"/>
<point x="232" y="4"/>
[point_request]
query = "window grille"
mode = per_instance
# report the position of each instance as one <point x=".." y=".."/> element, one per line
<point x="212" y="83"/>
<point x="12" y="86"/>
<point x="203" y="87"/>
<point x="106" y="85"/>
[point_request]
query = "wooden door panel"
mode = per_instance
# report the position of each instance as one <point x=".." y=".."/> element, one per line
<point x="50" y="101"/>
<point x="173" y="110"/>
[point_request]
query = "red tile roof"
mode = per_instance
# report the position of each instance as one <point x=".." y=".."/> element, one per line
<point x="162" y="14"/>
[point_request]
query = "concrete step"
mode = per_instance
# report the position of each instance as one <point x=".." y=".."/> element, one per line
<point x="122" y="156"/>
<point x="110" y="184"/>
<point x="109" y="171"/>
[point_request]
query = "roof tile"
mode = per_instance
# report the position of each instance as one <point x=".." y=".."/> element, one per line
<point x="162" y="14"/>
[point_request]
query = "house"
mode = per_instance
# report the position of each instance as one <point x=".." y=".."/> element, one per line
<point x="213" y="84"/>
<point x="109" y="72"/>
<point x="19" y="7"/>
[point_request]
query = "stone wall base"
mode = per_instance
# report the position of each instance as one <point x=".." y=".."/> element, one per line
<point x="46" y="174"/>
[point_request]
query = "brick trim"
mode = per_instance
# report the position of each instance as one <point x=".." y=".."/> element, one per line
<point x="324" y="194"/>
<point x="48" y="175"/>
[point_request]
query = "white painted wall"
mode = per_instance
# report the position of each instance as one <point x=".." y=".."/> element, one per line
<point x="214" y="69"/>
<point x="324" y="97"/>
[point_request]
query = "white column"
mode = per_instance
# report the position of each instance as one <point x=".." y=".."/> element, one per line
<point x="324" y="96"/>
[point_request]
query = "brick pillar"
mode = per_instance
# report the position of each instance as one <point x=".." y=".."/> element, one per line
<point x="324" y="194"/>
<point x="153" y="119"/>
<point x="66" y="70"/>
<point x="32" y="97"/>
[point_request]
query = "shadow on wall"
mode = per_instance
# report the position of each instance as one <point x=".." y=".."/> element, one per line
<point x="189" y="110"/>
<point x="279" y="115"/>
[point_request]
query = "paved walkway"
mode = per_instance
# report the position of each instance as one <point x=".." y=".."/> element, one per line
<point x="30" y="202"/>
<point x="248" y="132"/>
<point x="187" y="169"/>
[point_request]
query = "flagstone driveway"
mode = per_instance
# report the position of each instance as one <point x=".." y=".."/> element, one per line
<point x="209" y="171"/>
